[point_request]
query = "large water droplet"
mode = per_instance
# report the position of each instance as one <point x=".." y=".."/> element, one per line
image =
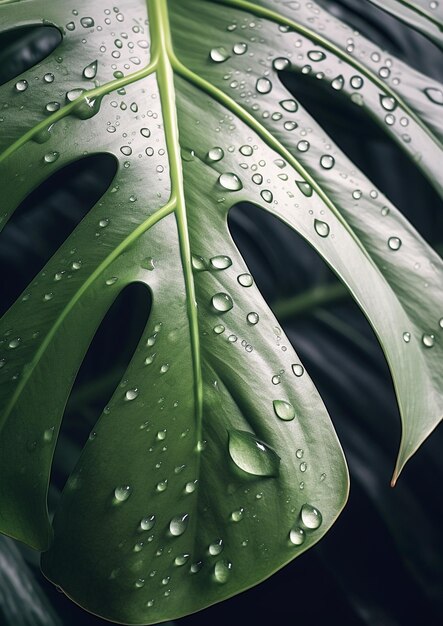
<point x="338" y="83"/>
<point x="48" y="77"/>
<point x="356" y="82"/>
<point x="252" y="318"/>
<point x="297" y="536"/>
<point x="246" y="150"/>
<point x="51" y="157"/>
<point x="289" y="105"/>
<point x="321" y="228"/>
<point x="280" y="63"/>
<point x="90" y="70"/>
<point x="252" y="455"/>
<point x="240" y="48"/>
<point x="87" y="22"/>
<point x="222" y="570"/>
<point x="266" y="195"/>
<point x="387" y="102"/>
<point x="298" y="369"/>
<point x="218" y="55"/>
<point x="304" y="187"/>
<point x="122" y="493"/>
<point x="327" y="161"/>
<point x="21" y="85"/>
<point x="147" y="523"/>
<point x="284" y="410"/>
<point x="316" y="55"/>
<point x="215" y="154"/>
<point x="263" y="85"/>
<point x="237" y="516"/>
<point x="178" y="524"/>
<point x="245" y="280"/>
<point x="434" y="95"/>
<point x="230" y="181"/>
<point x="216" y="547"/>
<point x="131" y="394"/>
<point x="428" y="340"/>
<point x="394" y="243"/>
<point x="310" y="517"/>
<point x="220" y="262"/>
<point x="222" y="302"/>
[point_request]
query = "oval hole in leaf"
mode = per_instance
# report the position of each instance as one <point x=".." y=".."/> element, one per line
<point x="365" y="143"/>
<point x="102" y="368"/>
<point x="22" y="48"/>
<point x="29" y="239"/>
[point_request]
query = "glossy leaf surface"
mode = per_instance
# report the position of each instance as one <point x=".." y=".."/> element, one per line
<point x="162" y="516"/>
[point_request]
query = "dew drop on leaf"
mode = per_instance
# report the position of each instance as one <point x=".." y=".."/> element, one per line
<point x="48" y="77"/>
<point x="181" y="560"/>
<point x="321" y="228"/>
<point x="327" y="161"/>
<point x="289" y="105"/>
<point x="218" y="55"/>
<point x="263" y="85"/>
<point x="246" y="150"/>
<point x="215" y="154"/>
<point x="216" y="547"/>
<point x="434" y="95"/>
<point x="219" y="329"/>
<point x="303" y="145"/>
<point x="147" y="523"/>
<point x="222" y="569"/>
<point x="338" y="83"/>
<point x="222" y="302"/>
<point x="304" y="187"/>
<point x="237" y="516"/>
<point x="266" y="195"/>
<point x="178" y="524"/>
<point x="87" y="22"/>
<point x="145" y="132"/>
<point x="428" y="340"/>
<point x="394" y="243"/>
<point x="245" y="280"/>
<point x="297" y="536"/>
<point x="252" y="455"/>
<point x="90" y="71"/>
<point x="284" y="410"/>
<point x="316" y="55"/>
<point x="220" y="262"/>
<point x="252" y="318"/>
<point x="131" y="394"/>
<point x="406" y="337"/>
<point x="280" y="63"/>
<point x="51" y="107"/>
<point x="122" y="493"/>
<point x="257" y="179"/>
<point x="230" y="181"/>
<point x="310" y="517"/>
<point x="356" y="82"/>
<point x="240" y="48"/>
<point x="387" y="102"/>
<point x="21" y="85"/>
<point x="51" y="157"/>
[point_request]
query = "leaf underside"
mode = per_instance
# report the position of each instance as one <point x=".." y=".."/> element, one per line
<point x="215" y="462"/>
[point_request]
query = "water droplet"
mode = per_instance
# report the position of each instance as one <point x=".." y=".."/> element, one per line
<point x="70" y="26"/>
<point x="131" y="394"/>
<point x="303" y="145"/>
<point x="303" y="467"/>
<point x="387" y="102"/>
<point x="215" y="154"/>
<point x="219" y="329"/>
<point x="48" y="435"/>
<point x="406" y="337"/>
<point x="178" y="524"/>
<point x="139" y="583"/>
<point x="87" y="22"/>
<point x="394" y="243"/>
<point x="240" y="48"/>
<point x="222" y="570"/>
<point x="219" y="55"/>
<point x="280" y="63"/>
<point x="327" y="161"/>
<point x="51" y="107"/>
<point x="276" y="380"/>
<point x="222" y="302"/>
<point x="126" y="150"/>
<point x="220" y="262"/>
<point x="147" y="523"/>
<point x="190" y="487"/>
<point x="440" y="322"/>
<point x="112" y="280"/>
<point x="434" y="95"/>
<point x="246" y="150"/>
<point x="245" y="280"/>
<point x="310" y="517"/>
<point x="316" y="55"/>
<point x="181" y="560"/>
<point x="122" y="493"/>
<point x="51" y="157"/>
<point x="252" y="318"/>
<point x="338" y="83"/>
<point x="289" y="105"/>
<point x="251" y="455"/>
<point x="162" y="486"/>
<point x="356" y="82"/>
<point x="145" y="132"/>
<point x="266" y="195"/>
<point x="428" y="340"/>
<point x="263" y="85"/>
<point x="304" y="187"/>
<point x="216" y="547"/>
<point x="297" y="536"/>
<point x="199" y="264"/>
<point x="21" y="85"/>
<point x="321" y="228"/>
<point x="257" y="179"/>
<point x="237" y="516"/>
<point x="164" y="368"/>
<point x="48" y="77"/>
<point x="284" y="410"/>
<point x="230" y="181"/>
<point x="90" y="70"/>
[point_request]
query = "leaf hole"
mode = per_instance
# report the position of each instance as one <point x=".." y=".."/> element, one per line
<point x="102" y="368"/>
<point x="22" y="48"/>
<point x="46" y="217"/>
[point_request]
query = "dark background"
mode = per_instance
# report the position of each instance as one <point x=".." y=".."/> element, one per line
<point x="382" y="563"/>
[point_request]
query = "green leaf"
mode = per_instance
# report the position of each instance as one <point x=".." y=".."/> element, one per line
<point x="215" y="462"/>
<point x="426" y="16"/>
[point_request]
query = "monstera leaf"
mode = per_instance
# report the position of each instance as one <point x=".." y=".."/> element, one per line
<point x="215" y="462"/>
